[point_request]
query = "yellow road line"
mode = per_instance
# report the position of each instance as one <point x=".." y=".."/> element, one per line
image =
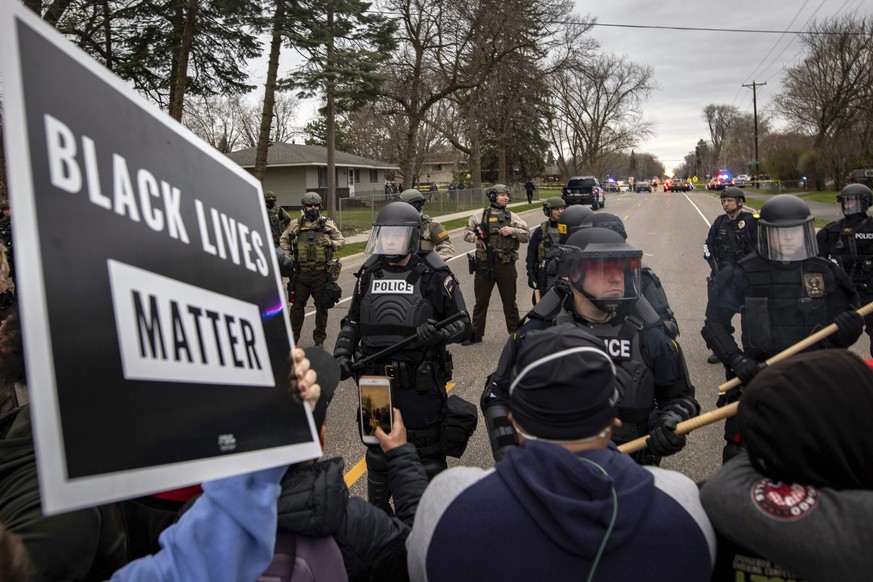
<point x="360" y="468"/>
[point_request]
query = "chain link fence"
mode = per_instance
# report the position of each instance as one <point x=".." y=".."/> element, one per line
<point x="358" y="213"/>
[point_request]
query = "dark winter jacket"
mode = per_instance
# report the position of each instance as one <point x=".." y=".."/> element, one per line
<point x="87" y="544"/>
<point x="315" y="502"/>
<point x="545" y="513"/>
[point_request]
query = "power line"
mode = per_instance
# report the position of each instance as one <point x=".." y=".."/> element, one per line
<point x="657" y="27"/>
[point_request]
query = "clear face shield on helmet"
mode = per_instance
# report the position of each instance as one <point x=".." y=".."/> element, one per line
<point x="852" y="204"/>
<point x="609" y="280"/>
<point x="787" y="243"/>
<point x="393" y="241"/>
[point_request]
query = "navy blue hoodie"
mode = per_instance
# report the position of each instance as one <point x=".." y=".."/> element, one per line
<point x="544" y="513"/>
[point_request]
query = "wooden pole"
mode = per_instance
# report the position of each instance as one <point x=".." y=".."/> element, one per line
<point x="724" y="412"/>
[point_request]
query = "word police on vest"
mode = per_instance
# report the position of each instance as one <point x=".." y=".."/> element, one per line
<point x="392" y="287"/>
<point x="157" y="203"/>
<point x="618" y="348"/>
<point x="173" y="331"/>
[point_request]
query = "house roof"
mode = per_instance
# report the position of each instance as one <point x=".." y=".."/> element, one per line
<point x="291" y="154"/>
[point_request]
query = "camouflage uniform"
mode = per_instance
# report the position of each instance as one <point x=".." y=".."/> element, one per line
<point x="496" y="264"/>
<point x="311" y="245"/>
<point x="279" y="221"/>
<point x="434" y="237"/>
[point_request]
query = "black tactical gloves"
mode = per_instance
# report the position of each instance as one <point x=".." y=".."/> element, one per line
<point x="663" y="440"/>
<point x="428" y="334"/>
<point x="850" y="325"/>
<point x="345" y="365"/>
<point x="531" y="282"/>
<point x="745" y="368"/>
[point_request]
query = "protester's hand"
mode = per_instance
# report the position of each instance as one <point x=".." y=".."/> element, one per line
<point x="428" y="334"/>
<point x="663" y="439"/>
<point x="397" y="436"/>
<point x="345" y="365"/>
<point x="302" y="382"/>
<point x="850" y="325"/>
<point x="745" y="368"/>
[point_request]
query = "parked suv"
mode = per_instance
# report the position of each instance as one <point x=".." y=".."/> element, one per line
<point x="861" y="177"/>
<point x="584" y="190"/>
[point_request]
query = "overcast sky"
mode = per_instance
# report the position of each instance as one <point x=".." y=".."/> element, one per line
<point x="696" y="68"/>
<point x="693" y="68"/>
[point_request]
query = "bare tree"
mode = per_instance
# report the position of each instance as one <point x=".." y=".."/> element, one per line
<point x="231" y="122"/>
<point x="282" y="128"/>
<point x="597" y="110"/>
<point x="217" y="120"/>
<point x="720" y="119"/>
<point x="829" y="94"/>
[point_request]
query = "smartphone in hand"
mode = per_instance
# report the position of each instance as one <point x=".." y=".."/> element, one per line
<point x="375" y="407"/>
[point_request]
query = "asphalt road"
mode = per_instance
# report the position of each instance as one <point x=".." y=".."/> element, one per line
<point x="669" y="227"/>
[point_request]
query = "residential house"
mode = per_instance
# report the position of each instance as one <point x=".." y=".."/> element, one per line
<point x="293" y="169"/>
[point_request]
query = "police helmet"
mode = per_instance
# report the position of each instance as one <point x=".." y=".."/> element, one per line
<point x="496" y="189"/>
<point x="607" y="262"/>
<point x="571" y="219"/>
<point x="553" y="202"/>
<point x="605" y="220"/>
<point x="855" y="199"/>
<point x="414" y="197"/>
<point x="396" y="232"/>
<point x="786" y="230"/>
<point x="310" y="198"/>
<point x="734" y="192"/>
<point x="269" y="195"/>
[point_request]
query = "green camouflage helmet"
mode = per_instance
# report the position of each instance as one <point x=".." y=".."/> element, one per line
<point x="553" y="202"/>
<point x="310" y="198"/>
<point x="269" y="195"/>
<point x="496" y="189"/>
<point x="412" y="196"/>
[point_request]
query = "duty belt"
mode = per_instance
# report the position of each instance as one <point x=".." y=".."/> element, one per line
<point x="313" y="268"/>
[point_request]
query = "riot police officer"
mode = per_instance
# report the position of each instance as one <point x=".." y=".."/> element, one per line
<point x="849" y="242"/>
<point x="652" y="289"/>
<point x="311" y="241"/>
<point x="434" y="236"/>
<point x="602" y="295"/>
<point x="401" y="294"/>
<point x="732" y="236"/>
<point x="498" y="233"/>
<point x="784" y="293"/>
<point x="542" y="238"/>
<point x="279" y="219"/>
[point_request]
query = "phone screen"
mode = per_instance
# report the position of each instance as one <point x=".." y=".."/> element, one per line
<point x="375" y="408"/>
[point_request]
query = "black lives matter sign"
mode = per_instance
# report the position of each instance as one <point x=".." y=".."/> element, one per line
<point x="157" y="340"/>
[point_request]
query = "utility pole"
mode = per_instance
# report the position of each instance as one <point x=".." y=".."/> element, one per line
<point x="754" y="87"/>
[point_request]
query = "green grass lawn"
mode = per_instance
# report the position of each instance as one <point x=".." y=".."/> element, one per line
<point x="826" y="197"/>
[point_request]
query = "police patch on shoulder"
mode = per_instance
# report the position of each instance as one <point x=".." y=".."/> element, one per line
<point x="449" y="285"/>
<point x="814" y="284"/>
<point x="784" y="501"/>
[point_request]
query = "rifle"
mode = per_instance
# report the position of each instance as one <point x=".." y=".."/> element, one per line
<point x="485" y="269"/>
<point x="364" y="362"/>
<point x="729" y="410"/>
